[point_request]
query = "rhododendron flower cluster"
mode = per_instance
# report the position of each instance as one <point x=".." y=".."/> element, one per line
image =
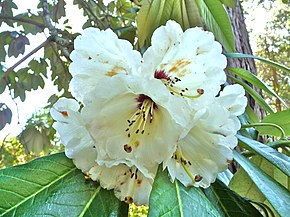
<point x="133" y="112"/>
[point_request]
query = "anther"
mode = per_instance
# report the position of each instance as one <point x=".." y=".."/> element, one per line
<point x="200" y="91"/>
<point x="127" y="148"/>
<point x="132" y="175"/>
<point x="197" y="178"/>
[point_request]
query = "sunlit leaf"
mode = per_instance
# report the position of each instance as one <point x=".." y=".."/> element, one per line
<point x="254" y="94"/>
<point x="269" y="62"/>
<point x="156" y="13"/>
<point x="34" y="140"/>
<point x="173" y="199"/>
<point x="53" y="186"/>
<point x="253" y="79"/>
<point x="243" y="185"/>
<point x="281" y="118"/>
<point x="228" y="202"/>
<point x="281" y="161"/>
<point x="274" y="192"/>
<point x="217" y="21"/>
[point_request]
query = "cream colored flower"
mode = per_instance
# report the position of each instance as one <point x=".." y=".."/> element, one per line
<point x="78" y="143"/>
<point x="207" y="149"/>
<point x="134" y="121"/>
<point x="189" y="63"/>
<point x="99" y="53"/>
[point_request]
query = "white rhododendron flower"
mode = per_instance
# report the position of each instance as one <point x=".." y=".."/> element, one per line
<point x="100" y="53"/>
<point x="129" y="184"/>
<point x="189" y="63"/>
<point x="138" y="112"/>
<point x="207" y="149"/>
<point x="73" y="134"/>
<point x="134" y="121"/>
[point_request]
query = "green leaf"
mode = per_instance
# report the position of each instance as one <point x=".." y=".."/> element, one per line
<point x="53" y="186"/>
<point x="5" y="115"/>
<point x="278" y="159"/>
<point x="2" y="84"/>
<point x="217" y="21"/>
<point x="229" y="3"/>
<point x="254" y="94"/>
<point x="173" y="199"/>
<point x="243" y="185"/>
<point x="156" y="13"/>
<point x="58" y="10"/>
<point x="269" y="62"/>
<point x="253" y="79"/>
<point x="34" y="140"/>
<point x="29" y="28"/>
<point x="281" y="119"/>
<point x="17" y="46"/>
<point x="228" y="202"/>
<point x="275" y="193"/>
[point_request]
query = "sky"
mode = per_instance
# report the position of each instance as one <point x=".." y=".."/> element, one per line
<point x="38" y="99"/>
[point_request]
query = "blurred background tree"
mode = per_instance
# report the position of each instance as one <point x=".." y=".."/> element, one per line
<point x="274" y="44"/>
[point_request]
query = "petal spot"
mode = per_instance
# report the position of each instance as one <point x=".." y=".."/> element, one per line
<point x="137" y="143"/>
<point x="178" y="65"/>
<point x="64" y="113"/>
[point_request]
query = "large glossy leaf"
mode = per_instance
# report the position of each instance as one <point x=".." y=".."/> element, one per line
<point x="53" y="186"/>
<point x="228" y="202"/>
<point x="217" y="21"/>
<point x="274" y="192"/>
<point x="278" y="159"/>
<point x="253" y="79"/>
<point x="243" y="185"/>
<point x="269" y="62"/>
<point x="254" y="94"/>
<point x="173" y="199"/>
<point x="281" y="119"/>
<point x="155" y="13"/>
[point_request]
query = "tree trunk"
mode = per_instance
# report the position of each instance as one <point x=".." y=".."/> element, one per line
<point x="243" y="46"/>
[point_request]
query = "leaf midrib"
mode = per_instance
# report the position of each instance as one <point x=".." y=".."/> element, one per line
<point x="178" y="198"/>
<point x="37" y="192"/>
<point x="90" y="201"/>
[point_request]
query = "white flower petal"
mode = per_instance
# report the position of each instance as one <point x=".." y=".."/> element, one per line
<point x="98" y="54"/>
<point x="207" y="149"/>
<point x="76" y="139"/>
<point x="111" y="121"/>
<point x="129" y="184"/>
<point x="190" y="64"/>
<point x="233" y="98"/>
